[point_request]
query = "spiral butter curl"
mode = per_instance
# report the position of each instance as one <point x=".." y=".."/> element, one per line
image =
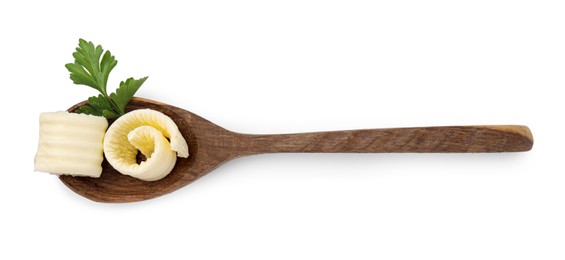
<point x="146" y="131"/>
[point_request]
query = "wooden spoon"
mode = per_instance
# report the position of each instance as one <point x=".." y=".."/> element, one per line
<point x="211" y="145"/>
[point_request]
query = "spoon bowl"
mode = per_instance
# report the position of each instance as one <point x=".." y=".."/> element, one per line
<point x="211" y="145"/>
<point x="115" y="187"/>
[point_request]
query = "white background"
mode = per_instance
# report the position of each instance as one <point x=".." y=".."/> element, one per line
<point x="296" y="66"/>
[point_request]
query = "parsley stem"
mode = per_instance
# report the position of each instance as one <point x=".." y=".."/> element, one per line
<point x="113" y="104"/>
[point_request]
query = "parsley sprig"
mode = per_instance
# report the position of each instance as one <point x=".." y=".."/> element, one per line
<point x="92" y="67"/>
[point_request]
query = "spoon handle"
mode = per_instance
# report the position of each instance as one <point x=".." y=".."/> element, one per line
<point x="446" y="139"/>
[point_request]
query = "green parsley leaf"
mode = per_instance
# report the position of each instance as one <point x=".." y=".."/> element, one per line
<point x="88" y="69"/>
<point x="125" y="92"/>
<point x="88" y="110"/>
<point x="92" y="67"/>
<point x="98" y="106"/>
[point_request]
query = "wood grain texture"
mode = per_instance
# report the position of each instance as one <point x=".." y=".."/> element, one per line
<point x="451" y="139"/>
<point x="211" y="145"/>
